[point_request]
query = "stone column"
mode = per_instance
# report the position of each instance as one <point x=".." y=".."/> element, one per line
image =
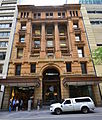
<point x="43" y="42"/>
<point x="57" y="42"/>
<point x="97" y="96"/>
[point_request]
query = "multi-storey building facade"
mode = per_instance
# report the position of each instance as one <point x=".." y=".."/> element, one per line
<point x="92" y="16"/>
<point x="50" y="58"/>
<point x="8" y="15"/>
<point x="90" y="1"/>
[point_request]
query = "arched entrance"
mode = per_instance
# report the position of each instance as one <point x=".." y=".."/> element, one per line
<point x="51" y="86"/>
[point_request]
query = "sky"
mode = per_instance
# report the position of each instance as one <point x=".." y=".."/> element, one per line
<point x="47" y="2"/>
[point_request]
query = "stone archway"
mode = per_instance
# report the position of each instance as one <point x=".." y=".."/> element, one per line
<point x="51" y="90"/>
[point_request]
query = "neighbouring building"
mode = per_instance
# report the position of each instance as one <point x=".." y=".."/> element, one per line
<point x="92" y="16"/>
<point x="50" y="58"/>
<point x="8" y="15"/>
<point x="90" y="1"/>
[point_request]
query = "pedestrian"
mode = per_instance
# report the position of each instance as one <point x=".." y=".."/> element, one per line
<point x="21" y="104"/>
<point x="17" y="105"/>
<point x="38" y="104"/>
<point x="10" y="103"/>
<point x="14" y="104"/>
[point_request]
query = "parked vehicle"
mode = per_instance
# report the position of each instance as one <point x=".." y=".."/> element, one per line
<point x="84" y="104"/>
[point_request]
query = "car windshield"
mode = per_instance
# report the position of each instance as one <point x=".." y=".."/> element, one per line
<point x="62" y="101"/>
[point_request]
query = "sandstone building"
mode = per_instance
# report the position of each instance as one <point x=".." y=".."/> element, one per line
<point x="50" y="58"/>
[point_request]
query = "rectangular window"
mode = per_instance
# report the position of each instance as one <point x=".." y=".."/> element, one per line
<point x="63" y="42"/>
<point x="75" y="25"/>
<point x="80" y="52"/>
<point x="50" y="43"/>
<point x="49" y="15"/>
<point x="49" y="30"/>
<point x="37" y="15"/>
<point x="33" y="68"/>
<point x="36" y="43"/>
<point x="62" y="30"/>
<point x="22" y="38"/>
<point x="2" y="55"/>
<point x="83" y="68"/>
<point x="68" y="67"/>
<point x="19" y="52"/>
<point x="4" y="34"/>
<point x="77" y="37"/>
<point x="18" y="69"/>
<point x="3" y="44"/>
<point x="23" y="26"/>
<point x="1" y="68"/>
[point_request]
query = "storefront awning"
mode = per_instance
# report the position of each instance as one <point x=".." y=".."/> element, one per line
<point x="81" y="80"/>
<point x="20" y="81"/>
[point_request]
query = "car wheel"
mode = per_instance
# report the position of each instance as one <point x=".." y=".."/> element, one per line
<point x="85" y="110"/>
<point x="58" y="111"/>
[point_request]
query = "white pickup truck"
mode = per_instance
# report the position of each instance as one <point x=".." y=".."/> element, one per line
<point x="84" y="104"/>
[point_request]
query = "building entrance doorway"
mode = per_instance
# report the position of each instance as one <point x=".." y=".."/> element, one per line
<point x="51" y="86"/>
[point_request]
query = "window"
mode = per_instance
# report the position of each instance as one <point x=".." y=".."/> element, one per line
<point x="75" y="25"/>
<point x="6" y="17"/>
<point x="19" y="52"/>
<point x="67" y="102"/>
<point x="22" y="38"/>
<point x="68" y="67"/>
<point x="62" y="42"/>
<point x="80" y="52"/>
<point x="49" y="15"/>
<point x="83" y="68"/>
<point x="77" y="37"/>
<point x="1" y="68"/>
<point x="50" y="53"/>
<point x="49" y="30"/>
<point x="4" y="34"/>
<point x="61" y="14"/>
<point x="23" y="26"/>
<point x="5" y="25"/>
<point x="37" y="32"/>
<point x="37" y="15"/>
<point x="33" y="68"/>
<point x="18" y="69"/>
<point x="49" y="43"/>
<point x="83" y="100"/>
<point x="36" y="43"/>
<point x="62" y="30"/>
<point x="2" y="55"/>
<point x="3" y="44"/>
<point x="99" y="44"/>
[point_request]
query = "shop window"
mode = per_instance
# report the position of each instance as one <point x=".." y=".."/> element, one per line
<point x="18" y="69"/>
<point x="22" y="38"/>
<point x="19" y="52"/>
<point x="77" y="37"/>
<point x="33" y="68"/>
<point x="83" y="68"/>
<point x="2" y="55"/>
<point x="50" y="43"/>
<point x="63" y="42"/>
<point x="68" y="67"/>
<point x="1" y="68"/>
<point x="80" y="52"/>
<point x="36" y="43"/>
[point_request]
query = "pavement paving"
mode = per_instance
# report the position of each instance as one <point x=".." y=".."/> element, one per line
<point x="46" y="115"/>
